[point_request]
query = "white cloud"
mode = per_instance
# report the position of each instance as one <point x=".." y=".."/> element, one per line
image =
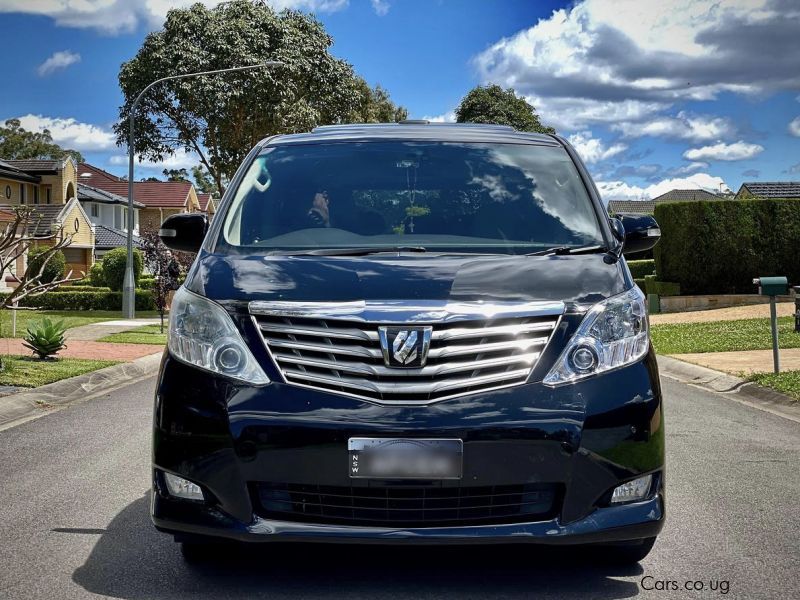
<point x="597" y="57"/>
<point x="70" y="133"/>
<point x="381" y="7"/>
<point x="737" y="151"/>
<point x="180" y="160"/>
<point x="117" y="16"/>
<point x="683" y="126"/>
<point x="620" y="190"/>
<point x="448" y="117"/>
<point x="592" y="150"/>
<point x="59" y="60"/>
<point x="794" y="127"/>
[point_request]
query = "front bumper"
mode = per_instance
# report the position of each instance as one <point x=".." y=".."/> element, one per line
<point x="586" y="438"/>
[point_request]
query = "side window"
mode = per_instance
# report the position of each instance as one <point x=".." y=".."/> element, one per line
<point x="48" y="193"/>
<point x="36" y="194"/>
<point x="22" y="191"/>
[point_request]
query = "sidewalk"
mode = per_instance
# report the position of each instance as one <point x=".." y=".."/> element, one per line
<point x="743" y="362"/>
<point x="95" y="331"/>
<point x="755" y="311"/>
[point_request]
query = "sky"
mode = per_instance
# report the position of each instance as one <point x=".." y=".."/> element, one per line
<point x="654" y="95"/>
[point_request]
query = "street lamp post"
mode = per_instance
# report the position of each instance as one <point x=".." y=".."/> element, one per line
<point x="129" y="284"/>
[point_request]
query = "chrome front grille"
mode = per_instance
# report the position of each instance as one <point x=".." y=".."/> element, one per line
<point x="473" y="347"/>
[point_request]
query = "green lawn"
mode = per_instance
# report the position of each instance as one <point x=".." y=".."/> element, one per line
<point x="722" y="336"/>
<point x="71" y="318"/>
<point x="148" y="334"/>
<point x="25" y="371"/>
<point x="787" y="382"/>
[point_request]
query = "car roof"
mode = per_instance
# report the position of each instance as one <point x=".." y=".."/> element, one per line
<point x="415" y="131"/>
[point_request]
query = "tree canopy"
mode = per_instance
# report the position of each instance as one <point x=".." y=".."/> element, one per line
<point x="220" y="117"/>
<point x="493" y="104"/>
<point x="16" y="142"/>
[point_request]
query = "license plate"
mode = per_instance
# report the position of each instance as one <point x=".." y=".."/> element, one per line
<point x="405" y="458"/>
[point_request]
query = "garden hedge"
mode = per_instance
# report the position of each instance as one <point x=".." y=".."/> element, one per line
<point x="641" y="268"/>
<point x="80" y="300"/>
<point x="718" y="247"/>
<point x="55" y="267"/>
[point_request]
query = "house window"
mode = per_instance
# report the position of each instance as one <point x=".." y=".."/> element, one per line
<point x="36" y="194"/>
<point x="95" y="208"/>
<point x="8" y="192"/>
<point x="48" y="194"/>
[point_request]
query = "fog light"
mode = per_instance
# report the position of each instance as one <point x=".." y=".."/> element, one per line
<point x="182" y="488"/>
<point x="633" y="490"/>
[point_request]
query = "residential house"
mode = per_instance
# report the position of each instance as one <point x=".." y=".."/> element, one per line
<point x="646" y="207"/>
<point x="108" y="238"/>
<point x="769" y="189"/>
<point x="208" y="205"/>
<point x="49" y="186"/>
<point x="158" y="199"/>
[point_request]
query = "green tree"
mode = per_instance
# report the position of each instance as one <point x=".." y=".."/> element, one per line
<point x="203" y="182"/>
<point x="16" y="142"/>
<point x="54" y="269"/>
<point x="374" y="105"/>
<point x="176" y="174"/>
<point x="220" y="117"/>
<point x="493" y="104"/>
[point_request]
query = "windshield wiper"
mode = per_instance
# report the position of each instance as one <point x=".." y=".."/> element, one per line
<point x="357" y="251"/>
<point x="561" y="250"/>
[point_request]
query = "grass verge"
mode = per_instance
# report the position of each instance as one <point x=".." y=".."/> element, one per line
<point x="722" y="336"/>
<point x="787" y="382"/>
<point x="25" y="371"/>
<point x="71" y="318"/>
<point x="148" y="334"/>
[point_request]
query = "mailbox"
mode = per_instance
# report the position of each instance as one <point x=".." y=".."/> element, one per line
<point x="772" y="286"/>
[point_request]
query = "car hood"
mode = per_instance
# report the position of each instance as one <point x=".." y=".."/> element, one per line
<point x="579" y="279"/>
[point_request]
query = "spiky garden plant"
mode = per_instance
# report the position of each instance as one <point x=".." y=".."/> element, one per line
<point x="45" y="337"/>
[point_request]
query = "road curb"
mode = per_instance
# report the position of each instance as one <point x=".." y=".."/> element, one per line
<point x="21" y="407"/>
<point x="730" y="386"/>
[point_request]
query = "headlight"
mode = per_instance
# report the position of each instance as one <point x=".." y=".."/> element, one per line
<point x="612" y="334"/>
<point x="202" y="334"/>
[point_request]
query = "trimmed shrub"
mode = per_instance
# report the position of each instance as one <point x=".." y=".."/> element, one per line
<point x="146" y="283"/>
<point x="640" y="268"/>
<point x="86" y="301"/>
<point x="55" y="268"/>
<point x="662" y="288"/>
<point x="96" y="278"/>
<point x="641" y="284"/>
<point x="719" y="247"/>
<point x="114" y="267"/>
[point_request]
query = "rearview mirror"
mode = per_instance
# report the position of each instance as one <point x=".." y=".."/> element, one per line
<point x="641" y="232"/>
<point x="184" y="232"/>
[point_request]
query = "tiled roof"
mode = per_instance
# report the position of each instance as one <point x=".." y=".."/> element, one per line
<point x="686" y="196"/>
<point x="43" y="217"/>
<point x="107" y="237"/>
<point x="204" y="200"/>
<point x="153" y="194"/>
<point x="92" y="194"/>
<point x="646" y="207"/>
<point x="37" y="166"/>
<point x="9" y="171"/>
<point x="640" y="207"/>
<point x="773" y="189"/>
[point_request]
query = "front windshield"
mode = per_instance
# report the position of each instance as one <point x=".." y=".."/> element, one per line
<point x="498" y="198"/>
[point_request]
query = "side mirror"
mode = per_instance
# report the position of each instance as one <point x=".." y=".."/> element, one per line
<point x="641" y="232"/>
<point x="184" y="232"/>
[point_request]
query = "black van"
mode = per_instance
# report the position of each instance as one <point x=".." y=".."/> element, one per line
<point x="410" y="333"/>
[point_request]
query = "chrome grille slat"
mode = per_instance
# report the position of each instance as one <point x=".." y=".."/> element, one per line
<point x="407" y="388"/>
<point x="473" y="347"/>
<point x="382" y="371"/>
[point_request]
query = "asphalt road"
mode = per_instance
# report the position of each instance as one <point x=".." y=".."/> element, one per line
<point x="74" y="522"/>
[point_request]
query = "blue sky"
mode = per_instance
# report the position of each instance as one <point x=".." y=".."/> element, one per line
<point x="653" y="94"/>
